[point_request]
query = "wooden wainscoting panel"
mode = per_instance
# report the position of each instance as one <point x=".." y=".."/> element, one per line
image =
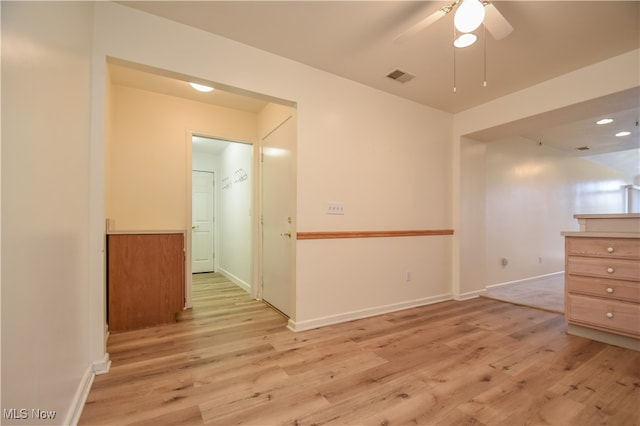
<point x="146" y="279"/>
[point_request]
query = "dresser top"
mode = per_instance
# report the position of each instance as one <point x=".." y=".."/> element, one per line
<point x="588" y="234"/>
<point x="622" y="223"/>
<point x="608" y="216"/>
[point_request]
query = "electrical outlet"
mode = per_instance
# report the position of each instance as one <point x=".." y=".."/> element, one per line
<point x="335" y="208"/>
<point x="407" y="276"/>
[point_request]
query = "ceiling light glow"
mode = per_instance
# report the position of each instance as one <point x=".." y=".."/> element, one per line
<point x="465" y="40"/>
<point x="201" y="87"/>
<point x="469" y="16"/>
<point x="621" y="134"/>
<point x="605" y="121"/>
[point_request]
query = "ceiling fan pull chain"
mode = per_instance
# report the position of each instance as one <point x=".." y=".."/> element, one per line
<point x="484" y="42"/>
<point x="454" y="61"/>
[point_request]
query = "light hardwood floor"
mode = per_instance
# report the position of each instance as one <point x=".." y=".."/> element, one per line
<point x="232" y="361"/>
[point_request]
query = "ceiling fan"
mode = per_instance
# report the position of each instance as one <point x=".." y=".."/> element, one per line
<point x="469" y="15"/>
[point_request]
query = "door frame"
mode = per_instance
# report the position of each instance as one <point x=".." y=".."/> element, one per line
<point x="255" y="206"/>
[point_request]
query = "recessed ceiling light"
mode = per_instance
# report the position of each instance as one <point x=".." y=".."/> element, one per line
<point x="621" y="134"/>
<point x="201" y="87"/>
<point x="465" y="40"/>
<point x="605" y="121"/>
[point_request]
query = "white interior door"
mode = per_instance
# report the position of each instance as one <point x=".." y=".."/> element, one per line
<point x="277" y="217"/>
<point x="202" y="222"/>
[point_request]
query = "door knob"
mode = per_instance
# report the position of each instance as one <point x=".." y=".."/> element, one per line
<point x="285" y="234"/>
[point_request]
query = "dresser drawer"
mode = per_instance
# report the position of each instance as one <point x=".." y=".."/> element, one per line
<point x="609" y="315"/>
<point x="606" y="268"/>
<point x="604" y="287"/>
<point x="620" y="248"/>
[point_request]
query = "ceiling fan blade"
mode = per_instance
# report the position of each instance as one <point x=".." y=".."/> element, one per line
<point x="420" y="26"/>
<point x="496" y="24"/>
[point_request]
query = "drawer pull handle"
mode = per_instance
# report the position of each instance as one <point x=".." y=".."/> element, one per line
<point x="609" y="290"/>
<point x="610" y="249"/>
<point x="610" y="270"/>
<point x="609" y="315"/>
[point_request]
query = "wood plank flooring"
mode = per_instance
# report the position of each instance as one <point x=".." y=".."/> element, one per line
<point x="231" y="360"/>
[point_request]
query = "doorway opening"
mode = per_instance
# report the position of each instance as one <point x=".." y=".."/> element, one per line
<point x="150" y="109"/>
<point x="221" y="209"/>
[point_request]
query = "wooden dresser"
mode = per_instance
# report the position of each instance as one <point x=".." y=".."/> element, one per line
<point x="602" y="279"/>
<point x="145" y="279"/>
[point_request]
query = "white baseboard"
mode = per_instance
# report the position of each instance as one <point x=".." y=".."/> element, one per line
<point x="469" y="295"/>
<point x="240" y="283"/>
<point x="102" y="366"/>
<point x="297" y="326"/>
<point x="80" y="397"/>
<point x="527" y="280"/>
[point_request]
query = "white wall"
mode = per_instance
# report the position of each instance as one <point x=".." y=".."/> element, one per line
<point x="235" y="182"/>
<point x="205" y="162"/>
<point x="386" y="158"/>
<point x="46" y="314"/>
<point x="472" y="226"/>
<point x="532" y="192"/>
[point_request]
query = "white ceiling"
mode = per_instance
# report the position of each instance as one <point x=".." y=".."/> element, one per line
<point x="354" y="39"/>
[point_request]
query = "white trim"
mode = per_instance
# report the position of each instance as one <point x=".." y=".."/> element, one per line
<point x="102" y="366"/>
<point x="80" y="397"/>
<point x="237" y="281"/>
<point x="527" y="280"/>
<point x="365" y="313"/>
<point x="469" y="295"/>
<point x="188" y="277"/>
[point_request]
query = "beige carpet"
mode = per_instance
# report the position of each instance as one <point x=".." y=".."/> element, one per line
<point x="546" y="294"/>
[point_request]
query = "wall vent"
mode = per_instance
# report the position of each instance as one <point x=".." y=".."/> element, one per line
<point x="583" y="148"/>
<point x="400" y="76"/>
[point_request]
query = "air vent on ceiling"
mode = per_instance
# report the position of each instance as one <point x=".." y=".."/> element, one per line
<point x="583" y="148"/>
<point x="400" y="76"/>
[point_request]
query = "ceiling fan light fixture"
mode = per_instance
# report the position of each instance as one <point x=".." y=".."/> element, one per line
<point x="201" y="87"/>
<point x="469" y="16"/>
<point x="465" y="40"/>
